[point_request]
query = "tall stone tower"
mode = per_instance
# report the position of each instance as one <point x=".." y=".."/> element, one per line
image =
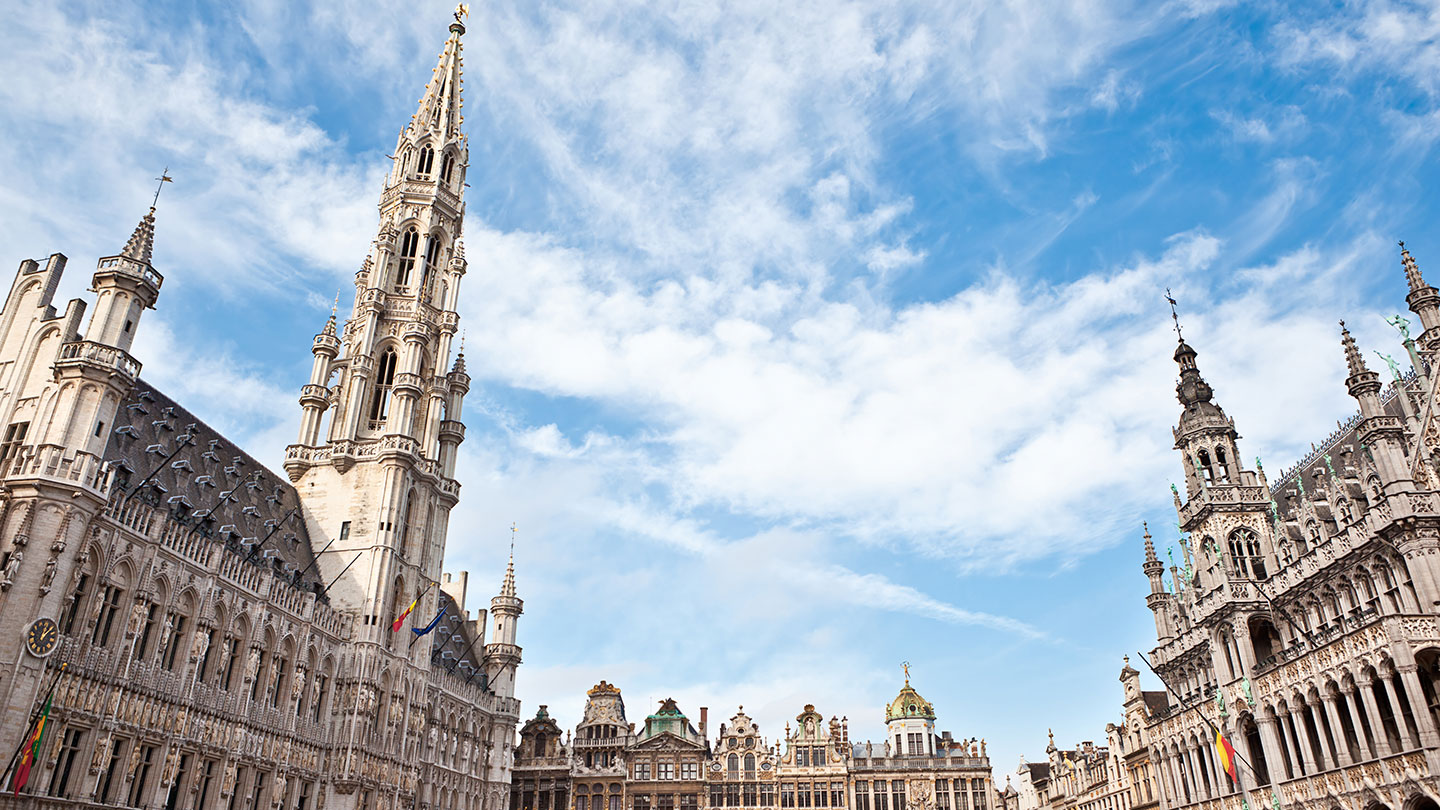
<point x="377" y="476"/>
<point x="58" y="403"/>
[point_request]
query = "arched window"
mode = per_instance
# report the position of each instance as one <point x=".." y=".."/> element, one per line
<point x="1202" y="462"/>
<point x="732" y="764"/>
<point x="447" y="166"/>
<point x="427" y="161"/>
<point x="749" y="764"/>
<point x="409" y="245"/>
<point x="405" y="519"/>
<point x="432" y="253"/>
<point x="1224" y="465"/>
<point x="384" y="379"/>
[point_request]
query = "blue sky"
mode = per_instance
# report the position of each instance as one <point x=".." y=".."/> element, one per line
<point x="808" y="337"/>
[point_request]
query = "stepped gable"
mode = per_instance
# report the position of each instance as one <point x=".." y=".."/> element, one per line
<point x="236" y="499"/>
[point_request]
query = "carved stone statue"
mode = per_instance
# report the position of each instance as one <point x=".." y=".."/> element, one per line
<point x="49" y="576"/>
<point x="12" y="569"/>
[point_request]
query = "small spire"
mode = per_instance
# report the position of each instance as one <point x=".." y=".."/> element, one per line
<point x="1149" y="544"/>
<point x="460" y="357"/>
<point x="1412" y="270"/>
<point x="142" y="241"/>
<point x="507" y="588"/>
<point x="1354" y="360"/>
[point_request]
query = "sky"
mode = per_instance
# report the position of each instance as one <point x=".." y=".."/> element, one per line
<point x="808" y="338"/>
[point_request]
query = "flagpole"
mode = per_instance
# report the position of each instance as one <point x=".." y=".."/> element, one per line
<point x="1213" y="728"/>
<point x="30" y="727"/>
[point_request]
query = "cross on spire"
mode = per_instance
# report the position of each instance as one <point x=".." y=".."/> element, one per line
<point x="1174" y="313"/>
<point x="161" y="181"/>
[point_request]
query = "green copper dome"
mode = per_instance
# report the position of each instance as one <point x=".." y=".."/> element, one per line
<point x="909" y="704"/>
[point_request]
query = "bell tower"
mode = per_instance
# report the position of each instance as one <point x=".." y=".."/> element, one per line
<point x="374" y="462"/>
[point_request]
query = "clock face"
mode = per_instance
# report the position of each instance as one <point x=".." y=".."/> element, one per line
<point x="42" y="637"/>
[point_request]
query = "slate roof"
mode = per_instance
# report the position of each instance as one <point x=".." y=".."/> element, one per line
<point x="219" y="489"/>
<point x="1156" y="701"/>
<point x="455" y="647"/>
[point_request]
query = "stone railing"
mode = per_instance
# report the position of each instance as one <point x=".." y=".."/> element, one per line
<point x="130" y="267"/>
<point x="53" y="461"/>
<point x="98" y="355"/>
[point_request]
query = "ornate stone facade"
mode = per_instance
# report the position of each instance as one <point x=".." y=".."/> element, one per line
<point x="225" y="634"/>
<point x="1302" y="615"/>
<point x="1115" y="776"/>
<point x="671" y="764"/>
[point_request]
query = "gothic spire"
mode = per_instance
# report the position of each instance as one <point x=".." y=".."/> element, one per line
<point x="1424" y="300"/>
<point x="439" y="109"/>
<point x="1354" y="360"/>
<point x="142" y="241"/>
<point x="1363" y="384"/>
<point x="507" y="588"/>
<point x="1412" y="270"/>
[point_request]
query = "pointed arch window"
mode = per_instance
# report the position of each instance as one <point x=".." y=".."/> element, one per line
<point x="1223" y="464"/>
<point x="1202" y="461"/>
<point x="409" y="246"/>
<point x="384" y="379"/>
<point x="447" y="166"/>
<point x="432" y="253"/>
<point x="427" y="162"/>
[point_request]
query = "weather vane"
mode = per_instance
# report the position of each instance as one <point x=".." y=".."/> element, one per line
<point x="512" y="538"/>
<point x="1174" y="314"/>
<point x="462" y="10"/>
<point x="162" y="179"/>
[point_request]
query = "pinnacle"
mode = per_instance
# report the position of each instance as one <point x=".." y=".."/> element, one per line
<point x="1353" y="359"/>
<point x="1412" y="270"/>
<point x="1149" y="545"/>
<point x="142" y="241"/>
<point x="507" y="588"/>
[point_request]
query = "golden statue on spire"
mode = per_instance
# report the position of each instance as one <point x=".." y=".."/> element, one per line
<point x="462" y="10"/>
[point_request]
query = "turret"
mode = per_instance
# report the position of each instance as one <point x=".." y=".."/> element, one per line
<point x="502" y="655"/>
<point x="1423" y="299"/>
<point x="1158" y="600"/>
<point x="125" y="285"/>
<point x="1381" y="434"/>
<point x="1205" y="436"/>
<point x="315" y="396"/>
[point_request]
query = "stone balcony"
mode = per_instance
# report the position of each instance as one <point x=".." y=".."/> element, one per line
<point x="89" y="354"/>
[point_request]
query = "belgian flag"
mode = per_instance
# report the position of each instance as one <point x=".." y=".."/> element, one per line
<point x="1227" y="756"/>
<point x="32" y="746"/>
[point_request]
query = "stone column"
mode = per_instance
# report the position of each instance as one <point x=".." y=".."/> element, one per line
<point x="1327" y="756"/>
<point x="1400" y="725"/>
<point x="1416" y="694"/>
<point x="1274" y="753"/>
<point x="1367" y="751"/>
<point x="1372" y="712"/>
<point x="1297" y="728"/>
<point x="1340" y="749"/>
